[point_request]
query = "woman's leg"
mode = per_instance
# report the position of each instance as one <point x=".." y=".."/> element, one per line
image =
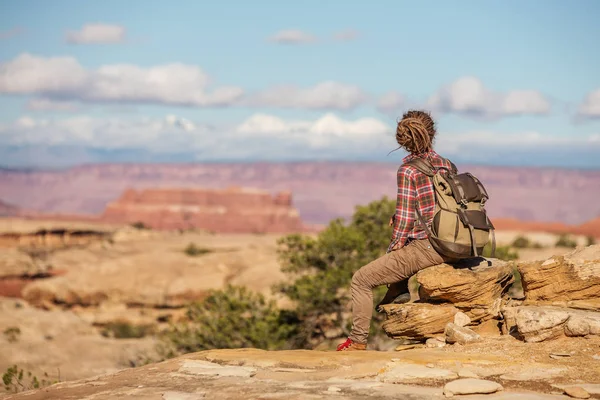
<point x="392" y="267"/>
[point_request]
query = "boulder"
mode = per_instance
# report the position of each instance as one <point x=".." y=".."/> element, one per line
<point x="17" y="263"/>
<point x="537" y="324"/>
<point x="572" y="277"/>
<point x="460" y="334"/>
<point x="472" y="283"/>
<point x="417" y="320"/>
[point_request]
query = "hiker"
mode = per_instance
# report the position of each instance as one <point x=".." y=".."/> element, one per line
<point x="411" y="248"/>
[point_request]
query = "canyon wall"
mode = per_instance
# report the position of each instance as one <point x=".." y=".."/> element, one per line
<point x="231" y="210"/>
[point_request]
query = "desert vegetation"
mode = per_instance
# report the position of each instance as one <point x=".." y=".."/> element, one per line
<point x="319" y="270"/>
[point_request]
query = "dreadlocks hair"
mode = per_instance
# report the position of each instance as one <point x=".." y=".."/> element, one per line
<point x="415" y="132"/>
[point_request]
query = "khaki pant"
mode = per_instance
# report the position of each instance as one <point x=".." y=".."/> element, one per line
<point x="393" y="268"/>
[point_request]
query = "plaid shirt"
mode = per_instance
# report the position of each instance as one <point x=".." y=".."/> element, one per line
<point x="414" y="188"/>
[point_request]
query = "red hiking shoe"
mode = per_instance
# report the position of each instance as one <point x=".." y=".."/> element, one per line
<point x="349" y="345"/>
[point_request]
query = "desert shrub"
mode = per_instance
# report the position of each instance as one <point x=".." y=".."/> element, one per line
<point x="17" y="380"/>
<point x="231" y="318"/>
<point x="506" y="253"/>
<point x="320" y="269"/>
<point x="125" y="330"/>
<point x="566" y="240"/>
<point x="521" y="242"/>
<point x="193" y="250"/>
<point x="12" y="333"/>
<point x="590" y="240"/>
<point x="139" y="225"/>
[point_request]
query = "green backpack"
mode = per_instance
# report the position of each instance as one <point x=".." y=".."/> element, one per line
<point x="460" y="227"/>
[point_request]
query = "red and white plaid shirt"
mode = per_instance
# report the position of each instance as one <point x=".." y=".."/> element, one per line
<point x="414" y="188"/>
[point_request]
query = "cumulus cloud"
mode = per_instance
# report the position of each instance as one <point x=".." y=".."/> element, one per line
<point x="346" y="36"/>
<point x="469" y="96"/>
<point x="590" y="108"/>
<point x="391" y="102"/>
<point x="259" y="134"/>
<point x="42" y="104"/>
<point x="63" y="78"/>
<point x="97" y="34"/>
<point x="268" y="137"/>
<point x="327" y="130"/>
<point x="292" y="36"/>
<point x="326" y="95"/>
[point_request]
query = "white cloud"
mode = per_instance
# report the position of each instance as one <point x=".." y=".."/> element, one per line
<point x="97" y="34"/>
<point x="267" y="137"/>
<point x="326" y="130"/>
<point x="63" y="78"/>
<point x="391" y="102"/>
<point x="292" y="36"/>
<point x="42" y="104"/>
<point x="326" y="95"/>
<point x="590" y="108"/>
<point x="469" y="96"/>
<point x="174" y="134"/>
<point x="346" y="36"/>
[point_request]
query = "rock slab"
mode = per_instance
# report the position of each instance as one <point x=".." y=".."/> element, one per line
<point x="460" y="334"/>
<point x="470" y="284"/>
<point x="471" y="386"/>
<point x="574" y="276"/>
<point x="537" y="324"/>
<point x="417" y="320"/>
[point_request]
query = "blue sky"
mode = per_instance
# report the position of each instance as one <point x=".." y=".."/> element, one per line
<point x="512" y="82"/>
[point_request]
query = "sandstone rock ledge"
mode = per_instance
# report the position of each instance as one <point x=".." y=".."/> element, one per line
<point x="303" y="374"/>
<point x="474" y="287"/>
<point x="561" y="299"/>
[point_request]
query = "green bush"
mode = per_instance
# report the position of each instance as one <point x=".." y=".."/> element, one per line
<point x="231" y="318"/>
<point x="12" y="333"/>
<point x="320" y="269"/>
<point x="193" y="250"/>
<point x="17" y="380"/>
<point x="566" y="240"/>
<point x="521" y="242"/>
<point x="506" y="253"/>
<point x="590" y="240"/>
<point x="125" y="330"/>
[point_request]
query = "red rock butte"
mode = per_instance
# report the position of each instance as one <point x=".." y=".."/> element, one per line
<point x="231" y="210"/>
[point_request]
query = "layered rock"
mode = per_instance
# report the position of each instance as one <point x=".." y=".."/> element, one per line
<point x="572" y="277"/>
<point x="562" y="297"/>
<point x="232" y="210"/>
<point x="474" y="287"/>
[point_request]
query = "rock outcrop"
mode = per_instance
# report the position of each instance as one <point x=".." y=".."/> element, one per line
<point x="572" y="277"/>
<point x="233" y="210"/>
<point x="561" y="299"/>
<point x="473" y="288"/>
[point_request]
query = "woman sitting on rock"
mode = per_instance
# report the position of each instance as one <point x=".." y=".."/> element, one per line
<point x="410" y="249"/>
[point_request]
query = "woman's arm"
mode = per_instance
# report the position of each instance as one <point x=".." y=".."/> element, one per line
<point x="404" y="219"/>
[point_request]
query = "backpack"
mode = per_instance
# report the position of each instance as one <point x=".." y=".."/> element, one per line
<point x="460" y="227"/>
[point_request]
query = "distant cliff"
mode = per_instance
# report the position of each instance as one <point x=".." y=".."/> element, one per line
<point x="7" y="210"/>
<point x="322" y="190"/>
<point x="232" y="210"/>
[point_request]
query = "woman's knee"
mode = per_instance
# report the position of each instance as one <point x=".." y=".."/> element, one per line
<point x="358" y="278"/>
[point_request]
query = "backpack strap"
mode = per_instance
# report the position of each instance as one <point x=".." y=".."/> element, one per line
<point x="422" y="165"/>
<point x="427" y="168"/>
